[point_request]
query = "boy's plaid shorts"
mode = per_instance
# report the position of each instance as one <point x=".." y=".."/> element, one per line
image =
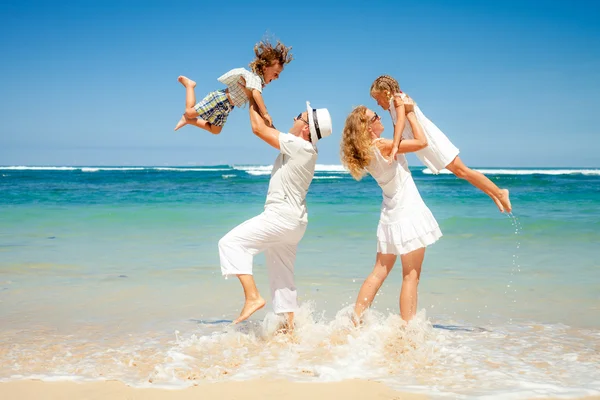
<point x="214" y="108"/>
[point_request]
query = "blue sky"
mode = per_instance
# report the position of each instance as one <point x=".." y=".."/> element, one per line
<point x="512" y="83"/>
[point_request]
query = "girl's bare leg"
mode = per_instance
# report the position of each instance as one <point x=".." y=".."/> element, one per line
<point x="383" y="265"/>
<point x="411" y="273"/>
<point x="480" y="181"/>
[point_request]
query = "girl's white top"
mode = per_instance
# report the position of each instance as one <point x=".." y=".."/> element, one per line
<point x="439" y="151"/>
<point x="405" y="222"/>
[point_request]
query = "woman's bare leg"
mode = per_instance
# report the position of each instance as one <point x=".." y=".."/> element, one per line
<point x="383" y="265"/>
<point x="411" y="273"/>
<point x="480" y="181"/>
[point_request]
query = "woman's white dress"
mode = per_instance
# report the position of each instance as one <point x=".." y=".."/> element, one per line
<point x="406" y="223"/>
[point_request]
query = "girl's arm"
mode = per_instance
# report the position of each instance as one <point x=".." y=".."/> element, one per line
<point x="398" y="105"/>
<point x="408" y="145"/>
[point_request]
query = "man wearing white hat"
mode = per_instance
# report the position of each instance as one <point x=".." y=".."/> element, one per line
<point x="279" y="229"/>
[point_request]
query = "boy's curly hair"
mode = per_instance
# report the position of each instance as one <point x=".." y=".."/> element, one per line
<point x="385" y="83"/>
<point x="267" y="55"/>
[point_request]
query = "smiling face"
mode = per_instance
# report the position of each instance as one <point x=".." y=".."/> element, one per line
<point x="272" y="72"/>
<point x="382" y="99"/>
<point x="374" y="123"/>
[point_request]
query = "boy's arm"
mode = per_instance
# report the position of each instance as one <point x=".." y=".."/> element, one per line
<point x="398" y="105"/>
<point x="258" y="99"/>
<point x="260" y="129"/>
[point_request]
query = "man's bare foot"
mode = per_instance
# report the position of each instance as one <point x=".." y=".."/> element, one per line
<point x="250" y="307"/>
<point x="506" y="200"/>
<point x="185" y="81"/>
<point x="182" y="122"/>
<point x="356" y="320"/>
<point x="285" y="329"/>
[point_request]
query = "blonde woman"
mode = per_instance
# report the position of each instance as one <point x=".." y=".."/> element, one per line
<point x="406" y="226"/>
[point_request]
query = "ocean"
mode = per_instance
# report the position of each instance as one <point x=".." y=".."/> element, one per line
<point x="113" y="273"/>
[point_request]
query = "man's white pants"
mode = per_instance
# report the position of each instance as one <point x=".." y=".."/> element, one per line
<point x="278" y="237"/>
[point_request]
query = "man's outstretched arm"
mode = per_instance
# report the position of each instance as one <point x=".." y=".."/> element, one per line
<point x="260" y="129"/>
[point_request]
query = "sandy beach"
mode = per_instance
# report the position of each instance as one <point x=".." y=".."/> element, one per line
<point x="262" y="389"/>
<point x="256" y="389"/>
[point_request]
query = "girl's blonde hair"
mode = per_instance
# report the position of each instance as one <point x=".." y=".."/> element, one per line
<point x="267" y="55"/>
<point x="356" y="152"/>
<point x="385" y="83"/>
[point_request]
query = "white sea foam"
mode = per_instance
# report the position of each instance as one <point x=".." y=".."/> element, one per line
<point x="24" y="168"/>
<point x="96" y="169"/>
<point x="445" y="359"/>
<point x="258" y="170"/>
<point x="196" y="169"/>
<point x="506" y="171"/>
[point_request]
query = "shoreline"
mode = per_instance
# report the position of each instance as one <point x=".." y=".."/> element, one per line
<point x="259" y="389"/>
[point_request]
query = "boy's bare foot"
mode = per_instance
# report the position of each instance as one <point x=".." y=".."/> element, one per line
<point x="506" y="200"/>
<point x="250" y="307"/>
<point x="185" y="81"/>
<point x="182" y="122"/>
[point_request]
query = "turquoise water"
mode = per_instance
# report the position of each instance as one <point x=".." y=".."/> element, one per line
<point x="101" y="266"/>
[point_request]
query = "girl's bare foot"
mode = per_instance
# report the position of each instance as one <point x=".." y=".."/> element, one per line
<point x="506" y="200"/>
<point x="185" y="81"/>
<point x="182" y="122"/>
<point x="498" y="203"/>
<point x="250" y="307"/>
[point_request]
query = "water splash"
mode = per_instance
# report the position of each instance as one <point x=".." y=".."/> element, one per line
<point x="516" y="265"/>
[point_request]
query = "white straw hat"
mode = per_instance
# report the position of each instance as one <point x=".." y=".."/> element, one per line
<point x="319" y="123"/>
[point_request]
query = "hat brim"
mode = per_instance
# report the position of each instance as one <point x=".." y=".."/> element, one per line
<point x="311" y="124"/>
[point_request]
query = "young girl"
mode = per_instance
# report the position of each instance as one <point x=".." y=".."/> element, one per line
<point x="406" y="226"/>
<point x="440" y="153"/>
<point x="212" y="111"/>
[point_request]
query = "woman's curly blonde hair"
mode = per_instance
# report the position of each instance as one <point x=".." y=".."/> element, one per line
<point x="385" y="83"/>
<point x="356" y="152"/>
<point x="267" y="55"/>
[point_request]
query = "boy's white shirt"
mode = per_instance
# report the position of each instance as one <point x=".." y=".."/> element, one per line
<point x="232" y="78"/>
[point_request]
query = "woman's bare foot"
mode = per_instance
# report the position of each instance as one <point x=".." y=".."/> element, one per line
<point x="250" y="307"/>
<point x="505" y="200"/>
<point x="182" y="122"/>
<point x="185" y="81"/>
